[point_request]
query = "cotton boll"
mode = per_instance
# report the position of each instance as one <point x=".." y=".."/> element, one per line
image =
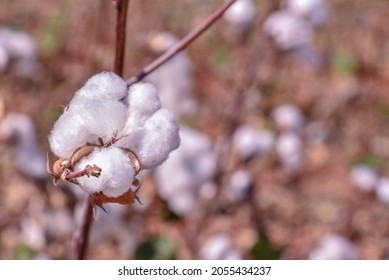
<point x="287" y="30"/>
<point x="105" y="85"/>
<point x="32" y="233"/>
<point x="193" y="164"/>
<point x="364" y="177"/>
<point x="241" y="14"/>
<point x="334" y="247"/>
<point x="382" y="190"/>
<point x="142" y="102"/>
<point x="20" y="130"/>
<point x="156" y="140"/>
<point x="4" y="58"/>
<point x="315" y="11"/>
<point x="219" y="247"/>
<point x="59" y="223"/>
<point x="288" y="117"/>
<point x="239" y="185"/>
<point x="21" y="48"/>
<point x="249" y="142"/>
<point x="290" y="151"/>
<point x="116" y="176"/>
<point x="183" y="203"/>
<point x="174" y="79"/>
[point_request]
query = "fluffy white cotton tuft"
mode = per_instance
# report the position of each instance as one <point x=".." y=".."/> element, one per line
<point x="219" y="247"/>
<point x="117" y="172"/>
<point x="142" y="102"/>
<point x="105" y="85"/>
<point x="289" y="148"/>
<point x="153" y="143"/>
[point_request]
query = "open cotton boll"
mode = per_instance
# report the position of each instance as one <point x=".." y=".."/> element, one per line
<point x="239" y="185"/>
<point x="174" y="79"/>
<point x="20" y="129"/>
<point x="116" y="176"/>
<point x="289" y="148"/>
<point x="105" y="85"/>
<point x="288" y="117"/>
<point x="4" y="58"/>
<point x="219" y="247"/>
<point x="334" y="247"/>
<point x="241" y="14"/>
<point x="249" y="142"/>
<point x="315" y="11"/>
<point x="153" y="143"/>
<point x="364" y="177"/>
<point x="382" y="190"/>
<point x="142" y="102"/>
<point x="287" y="30"/>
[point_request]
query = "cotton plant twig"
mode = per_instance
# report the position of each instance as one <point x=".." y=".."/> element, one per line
<point x="121" y="9"/>
<point x="180" y="45"/>
<point x="82" y="237"/>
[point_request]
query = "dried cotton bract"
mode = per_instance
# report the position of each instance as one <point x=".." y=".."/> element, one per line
<point x="111" y="133"/>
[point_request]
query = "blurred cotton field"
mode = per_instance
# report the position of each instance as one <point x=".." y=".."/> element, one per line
<point x="281" y="109"/>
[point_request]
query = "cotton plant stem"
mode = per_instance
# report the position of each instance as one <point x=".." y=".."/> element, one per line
<point x="180" y="45"/>
<point x="121" y="14"/>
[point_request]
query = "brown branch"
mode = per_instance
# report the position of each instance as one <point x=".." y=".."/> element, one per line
<point x="182" y="44"/>
<point x="82" y="238"/>
<point x="121" y="9"/>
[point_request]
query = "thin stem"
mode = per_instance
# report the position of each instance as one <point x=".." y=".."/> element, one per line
<point x="182" y="44"/>
<point x="82" y="238"/>
<point x="121" y="9"/>
<point x="121" y="15"/>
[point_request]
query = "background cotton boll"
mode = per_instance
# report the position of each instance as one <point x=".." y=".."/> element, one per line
<point x="219" y="247"/>
<point x="382" y="190"/>
<point x="288" y="117"/>
<point x="4" y="57"/>
<point x="183" y="203"/>
<point x="248" y="142"/>
<point x="289" y="148"/>
<point x="287" y="30"/>
<point x="193" y="164"/>
<point x="334" y="247"/>
<point x="160" y="136"/>
<point x="364" y="177"/>
<point x="21" y="48"/>
<point x="117" y="172"/>
<point x="59" y="223"/>
<point x="19" y="129"/>
<point x="315" y="11"/>
<point x="142" y="102"/>
<point x="239" y="185"/>
<point x="241" y="14"/>
<point x="174" y="79"/>
<point x="105" y="85"/>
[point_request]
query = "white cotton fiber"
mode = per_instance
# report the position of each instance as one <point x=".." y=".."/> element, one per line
<point x="219" y="247"/>
<point x="239" y="185"/>
<point x="334" y="247"/>
<point x="116" y="176"/>
<point x="105" y="85"/>
<point x="364" y="177"/>
<point x="156" y="140"/>
<point x="289" y="148"/>
<point x="142" y="102"/>
<point x="4" y="58"/>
